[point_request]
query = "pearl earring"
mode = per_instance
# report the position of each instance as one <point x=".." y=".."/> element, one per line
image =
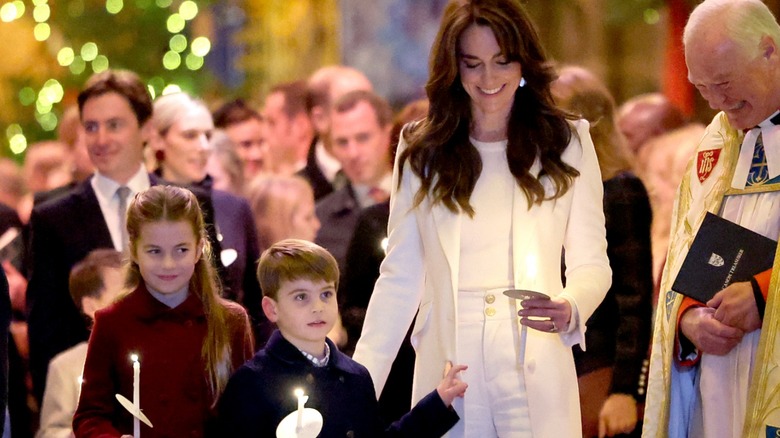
<point x="522" y="83"/>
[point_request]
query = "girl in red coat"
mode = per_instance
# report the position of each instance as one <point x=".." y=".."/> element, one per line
<point x="187" y="339"/>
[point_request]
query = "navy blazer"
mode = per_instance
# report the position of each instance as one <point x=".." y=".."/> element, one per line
<point x="260" y="395"/>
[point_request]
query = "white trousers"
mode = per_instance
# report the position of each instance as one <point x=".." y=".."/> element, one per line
<point x="495" y="404"/>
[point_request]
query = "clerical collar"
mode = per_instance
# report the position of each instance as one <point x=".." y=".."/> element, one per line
<point x="319" y="363"/>
<point x="769" y="130"/>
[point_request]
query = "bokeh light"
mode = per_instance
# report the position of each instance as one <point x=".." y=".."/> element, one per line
<point x="178" y="43"/>
<point x="41" y="13"/>
<point x="9" y="12"/>
<point x="193" y="62"/>
<point x="48" y="121"/>
<point x="89" y="51"/>
<point x="13" y="129"/>
<point x="18" y="144"/>
<point x="171" y="60"/>
<point x="188" y="10"/>
<point x="42" y="31"/>
<point x="651" y="16"/>
<point x="114" y="6"/>
<point x="170" y="89"/>
<point x="27" y="96"/>
<point x="100" y="64"/>
<point x="175" y="23"/>
<point x="65" y="56"/>
<point x="78" y="65"/>
<point x="201" y="46"/>
<point x="163" y="3"/>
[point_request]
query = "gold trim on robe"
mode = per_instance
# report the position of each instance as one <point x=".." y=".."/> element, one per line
<point x="694" y="199"/>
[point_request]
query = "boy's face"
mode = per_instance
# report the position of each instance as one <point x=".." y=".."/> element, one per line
<point x="112" y="287"/>
<point x="305" y="311"/>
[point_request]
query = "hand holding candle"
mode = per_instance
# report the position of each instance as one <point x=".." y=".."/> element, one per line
<point x="301" y="401"/>
<point x="136" y="394"/>
<point x="303" y="423"/>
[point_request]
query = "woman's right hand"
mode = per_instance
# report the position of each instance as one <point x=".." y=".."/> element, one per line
<point x="550" y="315"/>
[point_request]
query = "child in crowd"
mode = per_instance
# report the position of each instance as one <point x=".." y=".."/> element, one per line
<point x="188" y="340"/>
<point x="299" y="280"/>
<point x="94" y="283"/>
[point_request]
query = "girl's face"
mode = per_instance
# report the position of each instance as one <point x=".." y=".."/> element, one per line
<point x="486" y="75"/>
<point x="166" y="253"/>
<point x="304" y="220"/>
<point x="186" y="145"/>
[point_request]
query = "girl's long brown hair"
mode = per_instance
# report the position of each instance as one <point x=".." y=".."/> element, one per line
<point x="176" y="204"/>
<point x="440" y="152"/>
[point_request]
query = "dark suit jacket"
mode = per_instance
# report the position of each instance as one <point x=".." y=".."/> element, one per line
<point x="63" y="231"/>
<point x="338" y="214"/>
<point x="5" y="321"/>
<point x="236" y="228"/>
<point x="312" y="172"/>
<point x="260" y="395"/>
<point x="619" y="330"/>
<point x="364" y="256"/>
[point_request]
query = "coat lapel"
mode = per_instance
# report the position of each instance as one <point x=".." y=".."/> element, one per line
<point x="447" y="226"/>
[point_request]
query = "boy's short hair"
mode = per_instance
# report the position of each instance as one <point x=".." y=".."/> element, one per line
<point x="295" y="259"/>
<point x="86" y="276"/>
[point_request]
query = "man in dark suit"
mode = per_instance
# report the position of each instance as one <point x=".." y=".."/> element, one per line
<point x="325" y="85"/>
<point x="360" y="140"/>
<point x="114" y="107"/>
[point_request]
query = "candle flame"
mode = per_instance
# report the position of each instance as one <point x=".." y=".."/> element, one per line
<point x="134" y="357"/>
<point x="298" y="392"/>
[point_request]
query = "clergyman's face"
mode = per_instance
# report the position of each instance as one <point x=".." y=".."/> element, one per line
<point x="741" y="85"/>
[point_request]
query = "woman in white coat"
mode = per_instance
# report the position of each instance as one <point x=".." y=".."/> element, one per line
<point x="489" y="190"/>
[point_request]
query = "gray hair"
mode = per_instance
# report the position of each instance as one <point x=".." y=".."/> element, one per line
<point x="744" y="21"/>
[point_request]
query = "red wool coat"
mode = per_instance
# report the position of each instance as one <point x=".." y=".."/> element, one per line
<point x="174" y="392"/>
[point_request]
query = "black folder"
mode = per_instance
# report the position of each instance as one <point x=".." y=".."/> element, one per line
<point x="722" y="253"/>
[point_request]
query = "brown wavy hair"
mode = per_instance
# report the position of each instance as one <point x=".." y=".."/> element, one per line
<point x="440" y="152"/>
<point x="175" y="204"/>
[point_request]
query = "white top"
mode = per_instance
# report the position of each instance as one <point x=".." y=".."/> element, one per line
<point x="328" y="164"/>
<point x="486" y="239"/>
<point x="105" y="191"/>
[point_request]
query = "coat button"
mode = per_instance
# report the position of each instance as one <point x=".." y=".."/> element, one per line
<point x="341" y="379"/>
<point x="490" y="299"/>
<point x="490" y="311"/>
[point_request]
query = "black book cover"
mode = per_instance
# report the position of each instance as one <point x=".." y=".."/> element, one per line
<point x="722" y="253"/>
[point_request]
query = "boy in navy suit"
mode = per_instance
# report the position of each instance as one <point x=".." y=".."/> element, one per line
<point x="299" y="281"/>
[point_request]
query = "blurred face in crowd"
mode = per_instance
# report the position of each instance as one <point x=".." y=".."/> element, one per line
<point x="732" y="79"/>
<point x="304" y="220"/>
<point x="250" y="141"/>
<point x="280" y="132"/>
<point x="485" y="73"/>
<point x="112" y="135"/>
<point x="360" y="144"/>
<point x="186" y="146"/>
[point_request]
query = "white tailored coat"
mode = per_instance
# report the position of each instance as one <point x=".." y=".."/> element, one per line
<point x="420" y="271"/>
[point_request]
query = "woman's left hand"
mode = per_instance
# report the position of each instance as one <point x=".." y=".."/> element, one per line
<point x="552" y="316"/>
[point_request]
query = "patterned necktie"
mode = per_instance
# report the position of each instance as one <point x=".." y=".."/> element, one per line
<point x="759" y="172"/>
<point x="339" y="181"/>
<point x="123" y="192"/>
